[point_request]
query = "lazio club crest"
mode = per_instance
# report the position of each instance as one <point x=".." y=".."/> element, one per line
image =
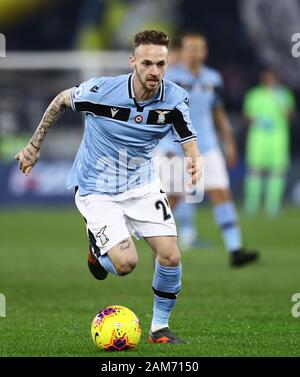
<point x="101" y="236"/>
<point x="161" y="116"/>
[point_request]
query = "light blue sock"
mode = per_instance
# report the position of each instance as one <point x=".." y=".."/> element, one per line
<point x="227" y="219"/>
<point x="107" y="264"/>
<point x="166" y="285"/>
<point x="185" y="214"/>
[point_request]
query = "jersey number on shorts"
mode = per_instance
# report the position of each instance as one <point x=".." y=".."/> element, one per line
<point x="164" y="206"/>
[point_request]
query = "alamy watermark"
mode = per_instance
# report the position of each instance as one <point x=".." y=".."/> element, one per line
<point x="2" y="46"/>
<point x="2" y="305"/>
<point x="121" y="173"/>
<point x="296" y="46"/>
<point x="296" y="306"/>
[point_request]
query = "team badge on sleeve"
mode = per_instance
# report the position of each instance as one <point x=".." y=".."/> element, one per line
<point x="187" y="101"/>
<point x="94" y="89"/>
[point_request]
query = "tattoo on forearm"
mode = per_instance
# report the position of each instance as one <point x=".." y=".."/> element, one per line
<point x="30" y="156"/>
<point x="34" y="146"/>
<point x="56" y="108"/>
<point x="123" y="245"/>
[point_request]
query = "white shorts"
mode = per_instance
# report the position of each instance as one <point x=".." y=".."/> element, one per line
<point x="214" y="172"/>
<point x="142" y="212"/>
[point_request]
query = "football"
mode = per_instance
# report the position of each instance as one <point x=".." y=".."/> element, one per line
<point x="116" y="328"/>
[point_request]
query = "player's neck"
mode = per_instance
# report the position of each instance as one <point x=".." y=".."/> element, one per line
<point x="141" y="93"/>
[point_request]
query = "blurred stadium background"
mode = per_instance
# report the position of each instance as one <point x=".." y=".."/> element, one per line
<point x="55" y="44"/>
<point x="52" y="45"/>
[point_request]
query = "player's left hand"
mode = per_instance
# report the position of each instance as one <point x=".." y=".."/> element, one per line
<point x="195" y="169"/>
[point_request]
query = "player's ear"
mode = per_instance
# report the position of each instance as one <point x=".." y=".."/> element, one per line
<point x="132" y="61"/>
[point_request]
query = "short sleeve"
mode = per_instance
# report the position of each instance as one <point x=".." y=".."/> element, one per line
<point x="87" y="92"/>
<point x="182" y="129"/>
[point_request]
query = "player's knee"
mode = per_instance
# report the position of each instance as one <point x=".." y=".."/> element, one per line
<point x="171" y="259"/>
<point x="167" y="252"/>
<point x="126" y="266"/>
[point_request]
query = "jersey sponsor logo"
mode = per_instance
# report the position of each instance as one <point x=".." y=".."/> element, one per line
<point x="138" y="119"/>
<point x="162" y="116"/>
<point x="94" y="89"/>
<point x="102" y="237"/>
<point x="119" y="113"/>
<point x="113" y="111"/>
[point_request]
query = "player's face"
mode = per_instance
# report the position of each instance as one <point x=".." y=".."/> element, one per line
<point x="194" y="50"/>
<point x="150" y="63"/>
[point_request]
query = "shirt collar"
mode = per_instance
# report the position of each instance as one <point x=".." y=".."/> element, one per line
<point x="161" y="92"/>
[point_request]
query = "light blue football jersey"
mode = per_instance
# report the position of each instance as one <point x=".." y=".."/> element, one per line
<point x="115" y="154"/>
<point x="205" y="93"/>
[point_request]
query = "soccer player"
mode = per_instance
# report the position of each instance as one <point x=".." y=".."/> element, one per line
<point x="208" y="115"/>
<point x="117" y="192"/>
<point x="268" y="108"/>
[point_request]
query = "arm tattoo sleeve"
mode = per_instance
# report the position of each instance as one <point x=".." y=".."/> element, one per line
<point x="56" y="108"/>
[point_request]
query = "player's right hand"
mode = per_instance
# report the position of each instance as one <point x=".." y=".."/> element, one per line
<point x="27" y="158"/>
<point x="195" y="168"/>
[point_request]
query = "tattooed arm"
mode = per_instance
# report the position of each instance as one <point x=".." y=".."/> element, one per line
<point x="30" y="154"/>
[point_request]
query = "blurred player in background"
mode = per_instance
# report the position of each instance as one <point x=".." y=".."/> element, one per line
<point x="120" y="195"/>
<point x="175" y="53"/>
<point x="267" y="108"/>
<point x="208" y="115"/>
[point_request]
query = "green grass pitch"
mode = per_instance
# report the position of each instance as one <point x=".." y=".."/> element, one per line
<point x="52" y="298"/>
